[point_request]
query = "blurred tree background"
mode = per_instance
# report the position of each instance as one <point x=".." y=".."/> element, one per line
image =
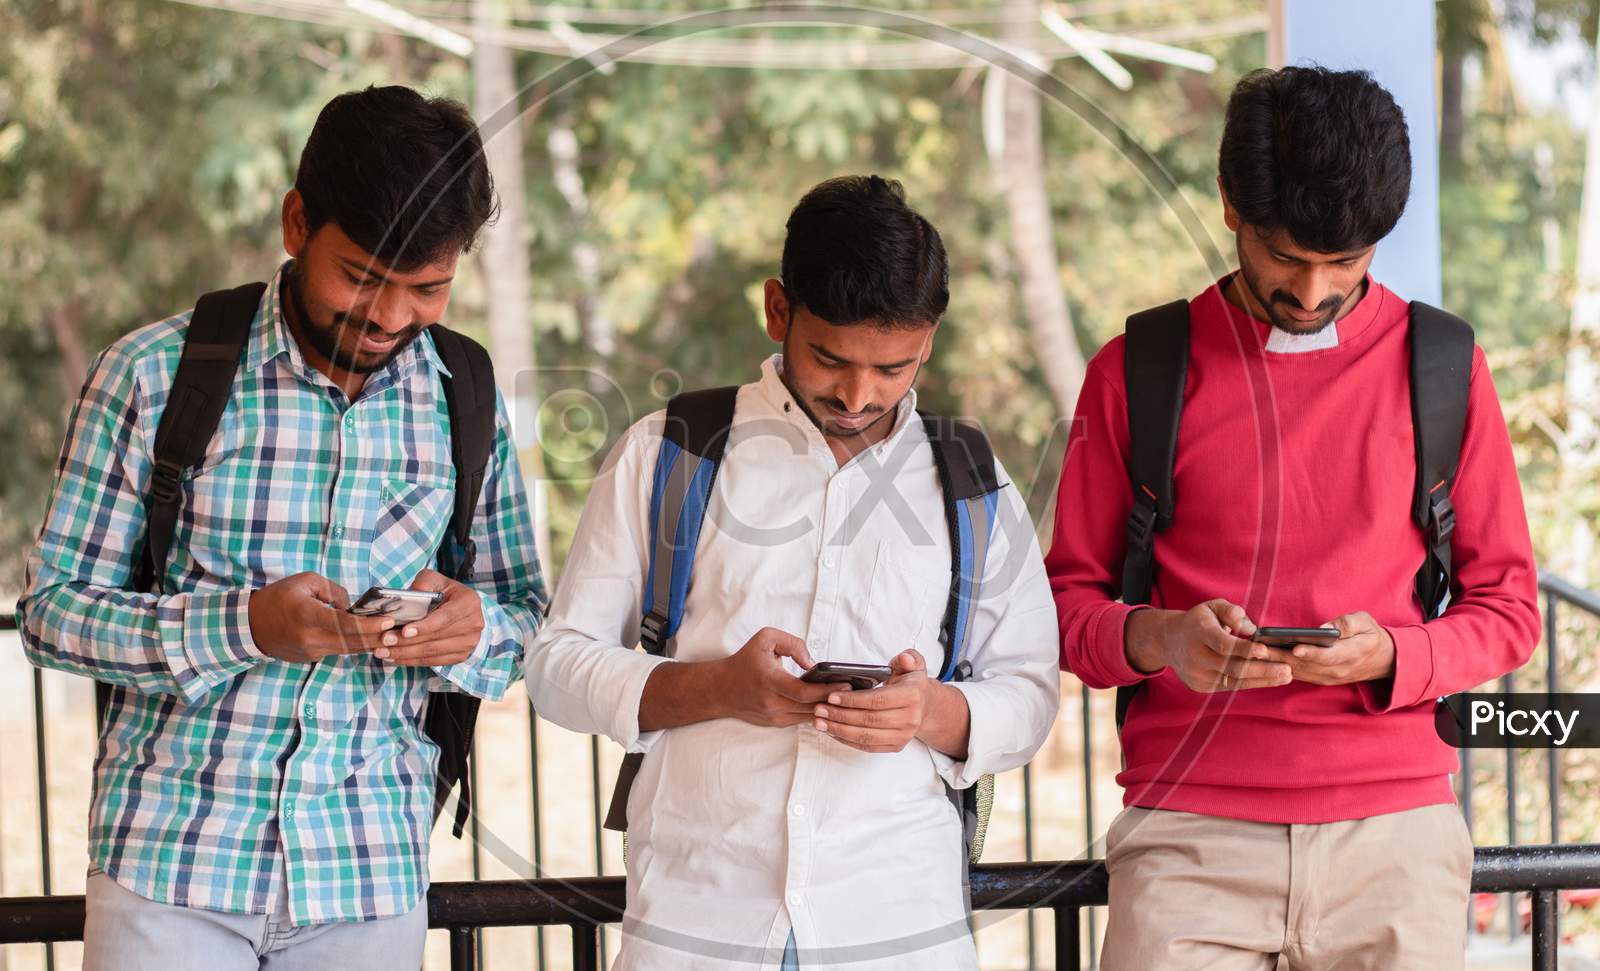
<point x="145" y="147"/>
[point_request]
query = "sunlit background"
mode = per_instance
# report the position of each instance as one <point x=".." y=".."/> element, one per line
<point x="145" y="147"/>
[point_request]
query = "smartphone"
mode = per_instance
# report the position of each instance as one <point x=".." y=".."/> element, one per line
<point x="1290" y="636"/>
<point x="403" y="605"/>
<point x="859" y="677"/>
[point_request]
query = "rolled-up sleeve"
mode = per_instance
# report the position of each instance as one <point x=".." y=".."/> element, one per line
<point x="1015" y="688"/>
<point x="78" y="613"/>
<point x="506" y="576"/>
<point x="583" y="671"/>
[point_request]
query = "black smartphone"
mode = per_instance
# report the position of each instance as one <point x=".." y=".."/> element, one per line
<point x="403" y="605"/>
<point x="1290" y="636"/>
<point x="859" y="677"/>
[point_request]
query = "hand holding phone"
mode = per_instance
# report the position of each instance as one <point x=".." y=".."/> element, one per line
<point x="445" y="632"/>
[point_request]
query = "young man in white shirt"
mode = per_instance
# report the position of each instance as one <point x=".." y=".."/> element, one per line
<point x="773" y="822"/>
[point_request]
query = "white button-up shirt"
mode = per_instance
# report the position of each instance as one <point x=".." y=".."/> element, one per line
<point x="739" y="833"/>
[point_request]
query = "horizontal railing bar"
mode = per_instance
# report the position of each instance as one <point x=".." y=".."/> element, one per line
<point x="1510" y="869"/>
<point x="1566" y="590"/>
<point x="996" y="886"/>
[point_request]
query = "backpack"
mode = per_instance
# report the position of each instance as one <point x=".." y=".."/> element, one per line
<point x="697" y="427"/>
<point x="212" y="350"/>
<point x="1155" y="368"/>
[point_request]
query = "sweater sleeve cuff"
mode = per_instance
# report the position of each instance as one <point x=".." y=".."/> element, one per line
<point x="1413" y="672"/>
<point x="1111" y="642"/>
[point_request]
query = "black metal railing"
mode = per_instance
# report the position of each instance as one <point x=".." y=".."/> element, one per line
<point x="1557" y="592"/>
<point x="1560" y="596"/>
<point x="584" y="904"/>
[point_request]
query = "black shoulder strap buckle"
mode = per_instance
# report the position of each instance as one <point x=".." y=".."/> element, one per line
<point x="166" y="481"/>
<point x="1441" y="516"/>
<point x="652" y="630"/>
<point x="1142" y="520"/>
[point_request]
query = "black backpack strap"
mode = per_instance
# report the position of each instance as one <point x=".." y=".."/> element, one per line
<point x="692" y="444"/>
<point x="213" y="346"/>
<point x="212" y="349"/>
<point x="1441" y="375"/>
<point x="469" y="395"/>
<point x="1155" y="370"/>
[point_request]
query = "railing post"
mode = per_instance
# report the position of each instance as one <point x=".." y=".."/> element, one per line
<point x="463" y="948"/>
<point x="585" y="947"/>
<point x="1068" y="946"/>
<point x="1546" y="930"/>
<point x="1512" y="923"/>
<point x="41" y="763"/>
<point x="1552" y="685"/>
<point x="1088" y="811"/>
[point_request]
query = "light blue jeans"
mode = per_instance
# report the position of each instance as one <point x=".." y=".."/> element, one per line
<point x="790" y="961"/>
<point x="125" y="932"/>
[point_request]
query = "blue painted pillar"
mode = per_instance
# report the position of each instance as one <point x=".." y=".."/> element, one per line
<point x="1394" y="40"/>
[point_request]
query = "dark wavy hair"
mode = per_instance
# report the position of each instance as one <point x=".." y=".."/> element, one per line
<point x="402" y="175"/>
<point x="856" y="253"/>
<point x="1323" y="154"/>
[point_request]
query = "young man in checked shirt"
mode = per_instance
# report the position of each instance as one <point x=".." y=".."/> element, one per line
<point x="263" y="788"/>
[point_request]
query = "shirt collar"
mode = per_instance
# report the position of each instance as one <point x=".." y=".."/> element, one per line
<point x="270" y="336"/>
<point x="776" y="395"/>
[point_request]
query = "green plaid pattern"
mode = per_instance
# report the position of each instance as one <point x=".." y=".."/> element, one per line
<point x="221" y="770"/>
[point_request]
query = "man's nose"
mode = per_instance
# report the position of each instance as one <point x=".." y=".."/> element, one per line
<point x="390" y="310"/>
<point x="1310" y="287"/>
<point x="854" y="394"/>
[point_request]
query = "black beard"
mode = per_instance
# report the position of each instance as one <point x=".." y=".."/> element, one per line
<point x="326" y="340"/>
<point x="1285" y="323"/>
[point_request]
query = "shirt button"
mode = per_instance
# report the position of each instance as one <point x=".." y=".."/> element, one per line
<point x="827" y="561"/>
<point x="794" y="900"/>
<point x="288" y="812"/>
<point x="310" y="710"/>
<point x="338" y="532"/>
<point x="349" y="421"/>
<point x="799" y="810"/>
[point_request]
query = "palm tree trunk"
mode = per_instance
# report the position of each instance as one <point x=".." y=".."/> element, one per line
<point x="1033" y="243"/>
<point x="1580" y="452"/>
<point x="505" y="257"/>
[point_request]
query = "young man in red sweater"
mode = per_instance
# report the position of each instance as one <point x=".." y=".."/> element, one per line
<point x="1292" y="801"/>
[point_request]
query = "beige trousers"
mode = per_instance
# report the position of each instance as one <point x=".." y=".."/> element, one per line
<point x="1204" y="893"/>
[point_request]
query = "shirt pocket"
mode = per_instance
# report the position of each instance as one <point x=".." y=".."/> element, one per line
<point x="410" y="523"/>
<point x="905" y="603"/>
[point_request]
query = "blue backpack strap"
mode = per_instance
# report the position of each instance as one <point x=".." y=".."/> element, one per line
<point x="965" y="461"/>
<point x="692" y="443"/>
<point x="971" y="487"/>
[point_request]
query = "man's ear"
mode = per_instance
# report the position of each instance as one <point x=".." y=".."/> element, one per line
<point x="927" y="343"/>
<point x="775" y="303"/>
<point x="1230" y="215"/>
<point x="295" y="230"/>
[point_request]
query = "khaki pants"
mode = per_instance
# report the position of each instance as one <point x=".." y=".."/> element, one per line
<point x="1204" y="893"/>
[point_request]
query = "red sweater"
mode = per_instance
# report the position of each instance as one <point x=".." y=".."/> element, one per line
<point x="1293" y="488"/>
